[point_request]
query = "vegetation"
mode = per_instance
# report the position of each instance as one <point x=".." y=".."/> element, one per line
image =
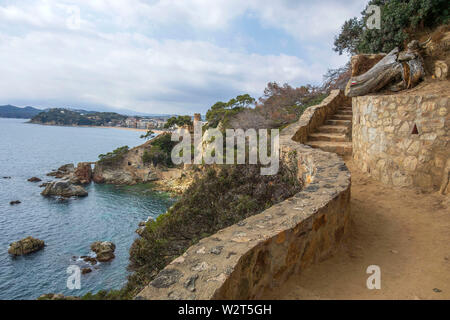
<point x="68" y="117"/>
<point x="114" y="157"/>
<point x="148" y="135"/>
<point x="400" y="20"/>
<point x="179" y="121"/>
<point x="160" y="151"/>
<point x="10" y="111"/>
<point x="233" y="192"/>
<point x="222" y="112"/>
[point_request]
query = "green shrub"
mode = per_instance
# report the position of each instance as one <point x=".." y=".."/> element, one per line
<point x="113" y="157"/>
<point x="220" y="198"/>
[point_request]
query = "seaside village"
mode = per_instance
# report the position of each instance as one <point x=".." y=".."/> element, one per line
<point x="149" y="123"/>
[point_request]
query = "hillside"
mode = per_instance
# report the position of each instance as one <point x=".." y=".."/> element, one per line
<point x="10" y="111"/>
<point x="65" y="117"/>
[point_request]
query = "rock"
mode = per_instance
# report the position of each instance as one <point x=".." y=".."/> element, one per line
<point x="86" y="270"/>
<point x="440" y="70"/>
<point x="90" y="260"/>
<point x="437" y="290"/>
<point x="43" y="185"/>
<point x="58" y="296"/>
<point x="15" y="202"/>
<point x="34" y="179"/>
<point x="166" y="278"/>
<point x="104" y="250"/>
<point x="83" y="173"/>
<point x="25" y="246"/>
<point x="6" y="177"/>
<point x="142" y="224"/>
<point x="64" y="189"/>
<point x="62" y="171"/>
<point x="140" y="231"/>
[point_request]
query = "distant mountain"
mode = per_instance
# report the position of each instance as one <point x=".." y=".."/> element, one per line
<point x="10" y="111"/>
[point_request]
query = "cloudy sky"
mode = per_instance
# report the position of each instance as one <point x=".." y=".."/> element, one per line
<point x="166" y="56"/>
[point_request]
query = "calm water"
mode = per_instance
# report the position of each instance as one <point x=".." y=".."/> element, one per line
<point x="68" y="228"/>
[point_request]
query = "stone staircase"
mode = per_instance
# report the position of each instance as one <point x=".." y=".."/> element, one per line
<point x="335" y="134"/>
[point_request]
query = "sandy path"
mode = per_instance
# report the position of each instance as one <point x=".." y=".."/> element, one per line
<point x="405" y="232"/>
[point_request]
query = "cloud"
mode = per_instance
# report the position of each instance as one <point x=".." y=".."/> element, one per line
<point x="119" y="56"/>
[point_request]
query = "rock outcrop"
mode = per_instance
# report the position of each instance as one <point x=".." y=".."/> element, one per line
<point x="25" y="246"/>
<point x="64" y="189"/>
<point x="15" y="202"/>
<point x="83" y="173"/>
<point x="62" y="171"/>
<point x="104" y="250"/>
<point x="34" y="179"/>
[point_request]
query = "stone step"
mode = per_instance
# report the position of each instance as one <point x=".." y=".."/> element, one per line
<point x="344" y="112"/>
<point x="339" y="122"/>
<point x="332" y="129"/>
<point x="327" y="137"/>
<point x="341" y="148"/>
<point x="341" y="117"/>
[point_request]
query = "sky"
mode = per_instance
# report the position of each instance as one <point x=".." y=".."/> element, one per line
<point x="166" y="56"/>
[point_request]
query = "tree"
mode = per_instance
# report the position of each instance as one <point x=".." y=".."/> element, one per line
<point x="400" y="20"/>
<point x="224" y="111"/>
<point x="148" y="135"/>
<point x="179" y="121"/>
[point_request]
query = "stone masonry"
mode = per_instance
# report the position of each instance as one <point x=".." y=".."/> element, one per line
<point x="264" y="250"/>
<point x="403" y="139"/>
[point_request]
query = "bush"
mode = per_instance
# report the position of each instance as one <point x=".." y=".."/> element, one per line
<point x="160" y="151"/>
<point x="114" y="157"/>
<point x="220" y="198"/>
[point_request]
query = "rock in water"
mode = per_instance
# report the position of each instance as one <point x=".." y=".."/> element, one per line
<point x="25" y="246"/>
<point x="34" y="179"/>
<point x="64" y="189"/>
<point x="15" y="202"/>
<point x="104" y="250"/>
<point x="83" y="173"/>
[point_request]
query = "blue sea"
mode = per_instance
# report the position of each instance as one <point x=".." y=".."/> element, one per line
<point x="109" y="213"/>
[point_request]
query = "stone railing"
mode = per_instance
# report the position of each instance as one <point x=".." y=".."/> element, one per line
<point x="315" y="116"/>
<point x="403" y="139"/>
<point x="264" y="250"/>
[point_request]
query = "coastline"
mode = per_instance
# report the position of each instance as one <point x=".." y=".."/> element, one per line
<point x="101" y="127"/>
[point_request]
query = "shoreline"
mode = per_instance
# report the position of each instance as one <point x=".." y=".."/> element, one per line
<point x="101" y="127"/>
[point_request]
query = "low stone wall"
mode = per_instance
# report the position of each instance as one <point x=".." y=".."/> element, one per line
<point x="315" y="116"/>
<point x="264" y="250"/>
<point x="403" y="139"/>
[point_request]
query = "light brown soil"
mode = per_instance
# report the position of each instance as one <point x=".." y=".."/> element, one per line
<point x="405" y="232"/>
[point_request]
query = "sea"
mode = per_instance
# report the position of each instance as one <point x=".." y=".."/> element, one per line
<point x="108" y="213"/>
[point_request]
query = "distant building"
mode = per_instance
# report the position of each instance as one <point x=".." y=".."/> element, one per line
<point x="131" y="122"/>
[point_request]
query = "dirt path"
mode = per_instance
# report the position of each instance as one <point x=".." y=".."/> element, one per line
<point x="405" y="232"/>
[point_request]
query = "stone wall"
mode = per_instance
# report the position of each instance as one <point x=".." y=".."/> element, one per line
<point x="403" y="139"/>
<point x="262" y="251"/>
<point x="315" y="116"/>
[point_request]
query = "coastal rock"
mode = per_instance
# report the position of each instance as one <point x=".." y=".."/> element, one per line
<point x="15" y="202"/>
<point x="43" y="185"/>
<point x="62" y="171"/>
<point x="86" y="270"/>
<point x="34" y="179"/>
<point x="104" y="250"/>
<point x="6" y="177"/>
<point x="58" y="296"/>
<point x="64" y="189"/>
<point x="25" y="246"/>
<point x="90" y="260"/>
<point x="83" y="173"/>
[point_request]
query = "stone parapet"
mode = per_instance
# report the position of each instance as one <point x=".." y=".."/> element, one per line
<point x="264" y="250"/>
